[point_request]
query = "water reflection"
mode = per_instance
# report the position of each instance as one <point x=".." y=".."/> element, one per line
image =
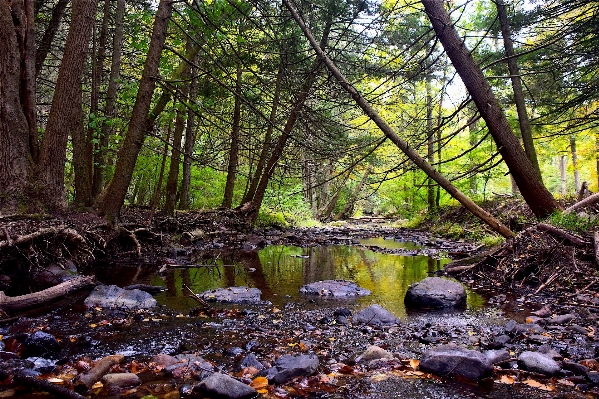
<point x="279" y="272"/>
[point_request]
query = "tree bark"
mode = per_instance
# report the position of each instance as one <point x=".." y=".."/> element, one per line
<point x="158" y="188"/>
<point x="109" y="112"/>
<point x="392" y="135"/>
<point x="15" y="161"/>
<point x="430" y="141"/>
<point x="234" y="147"/>
<point x="48" y="187"/>
<point x="81" y="155"/>
<point x="512" y="63"/>
<point x="351" y="202"/>
<point x="28" y="77"/>
<point x="114" y="197"/>
<point x="536" y="195"/>
<point x="49" y="34"/>
<point x="575" y="163"/>
<point x="562" y="173"/>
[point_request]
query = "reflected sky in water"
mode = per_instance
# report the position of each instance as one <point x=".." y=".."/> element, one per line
<point x="279" y="271"/>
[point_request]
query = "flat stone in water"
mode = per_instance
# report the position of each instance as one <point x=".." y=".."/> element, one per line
<point x="334" y="288"/>
<point x="233" y="295"/>
<point x="111" y="296"/>
<point x="437" y="293"/>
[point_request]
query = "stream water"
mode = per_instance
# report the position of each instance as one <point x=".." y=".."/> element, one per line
<point x="279" y="272"/>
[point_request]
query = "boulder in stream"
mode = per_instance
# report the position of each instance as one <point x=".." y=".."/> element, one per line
<point x="538" y="363"/>
<point x="220" y="385"/>
<point x="334" y="288"/>
<point x="288" y="367"/>
<point x="375" y="315"/>
<point x="436" y="293"/>
<point x="448" y="360"/>
<point x="111" y="296"/>
<point x="233" y="295"/>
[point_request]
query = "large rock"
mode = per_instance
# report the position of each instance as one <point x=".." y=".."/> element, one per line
<point x="223" y="386"/>
<point x="41" y="344"/>
<point x="288" y="367"/>
<point x="375" y="315"/>
<point x="111" y="296"/>
<point x="448" y="360"/>
<point x="436" y="293"/>
<point x="538" y="363"/>
<point x="233" y="295"/>
<point x="334" y="288"/>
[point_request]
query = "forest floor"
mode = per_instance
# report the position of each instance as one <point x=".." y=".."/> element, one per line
<point x="541" y="288"/>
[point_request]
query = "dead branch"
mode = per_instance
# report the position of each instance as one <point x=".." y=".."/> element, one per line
<point x="559" y="233"/>
<point x="28" y="301"/>
<point x="29" y="237"/>
<point x="581" y="204"/>
<point x="41" y="385"/>
<point x="84" y="382"/>
<point x="194" y="296"/>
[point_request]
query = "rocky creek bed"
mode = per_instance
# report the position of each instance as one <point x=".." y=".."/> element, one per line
<point x="524" y="344"/>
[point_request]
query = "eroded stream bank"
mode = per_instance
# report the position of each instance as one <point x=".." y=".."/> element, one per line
<point x="238" y="339"/>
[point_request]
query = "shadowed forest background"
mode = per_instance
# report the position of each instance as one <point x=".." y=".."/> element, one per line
<point x="197" y="105"/>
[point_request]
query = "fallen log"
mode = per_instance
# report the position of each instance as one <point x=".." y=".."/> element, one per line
<point x="581" y="204"/>
<point x="559" y="233"/>
<point x="85" y="382"/>
<point x="23" y="302"/>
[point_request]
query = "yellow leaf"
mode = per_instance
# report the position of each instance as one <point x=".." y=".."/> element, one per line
<point x="506" y="379"/>
<point x="97" y="385"/>
<point x="537" y="384"/>
<point x="379" y="377"/>
<point x="414" y="363"/>
<point x="93" y="325"/>
<point x="262" y="391"/>
<point x="55" y="380"/>
<point x="259" y="382"/>
<point x="566" y="382"/>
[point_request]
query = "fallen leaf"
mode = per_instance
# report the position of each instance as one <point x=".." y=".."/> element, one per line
<point x="539" y="385"/>
<point x="259" y="382"/>
<point x="506" y="379"/>
<point x="566" y="382"/>
<point x="379" y="377"/>
<point x="8" y="393"/>
<point x="414" y="363"/>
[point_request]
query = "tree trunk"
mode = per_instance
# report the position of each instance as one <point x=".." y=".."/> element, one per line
<point x="189" y="144"/>
<point x="14" y="138"/>
<point x="109" y="112"/>
<point x="430" y="141"/>
<point x="49" y="34"/>
<point x="266" y="145"/>
<point x="512" y="63"/>
<point x="28" y="77"/>
<point x="562" y="173"/>
<point x="399" y="142"/>
<point x="351" y="202"/>
<point x="81" y="156"/>
<point x="234" y="147"/>
<point x="48" y="187"/>
<point x="158" y="189"/>
<point x="330" y="207"/>
<point x="173" y="172"/>
<point x="113" y="199"/>
<point x="575" y="163"/>
<point x="536" y="195"/>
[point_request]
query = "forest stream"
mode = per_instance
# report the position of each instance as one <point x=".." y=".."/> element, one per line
<point x="171" y="349"/>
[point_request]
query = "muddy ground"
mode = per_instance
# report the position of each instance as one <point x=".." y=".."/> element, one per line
<point x="536" y="272"/>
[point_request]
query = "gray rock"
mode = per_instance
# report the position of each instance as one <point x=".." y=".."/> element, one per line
<point x="561" y="319"/>
<point x="250" y="361"/>
<point x="375" y="315"/>
<point x="120" y="380"/>
<point x="538" y="363"/>
<point x="41" y="344"/>
<point x="193" y="363"/>
<point x="497" y="356"/>
<point x="437" y="293"/>
<point x="373" y="352"/>
<point x="223" y="386"/>
<point x="450" y="360"/>
<point x="574" y="367"/>
<point x="288" y="367"/>
<point x="43" y="365"/>
<point x="334" y="288"/>
<point x="111" y="296"/>
<point x="233" y="295"/>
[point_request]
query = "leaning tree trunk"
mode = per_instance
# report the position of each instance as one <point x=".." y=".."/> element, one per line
<point x="234" y="147"/>
<point x="48" y="187"/>
<point x="49" y="34"/>
<point x="392" y="135"/>
<point x="14" y="148"/>
<point x="512" y="63"/>
<point x="109" y="112"/>
<point x="536" y="195"/>
<point x="351" y="202"/>
<point x="114" y="196"/>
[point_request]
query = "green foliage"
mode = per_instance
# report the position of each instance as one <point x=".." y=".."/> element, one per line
<point x="573" y="222"/>
<point x="492" y="240"/>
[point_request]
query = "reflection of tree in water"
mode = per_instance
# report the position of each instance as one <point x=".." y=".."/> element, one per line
<point x="257" y="277"/>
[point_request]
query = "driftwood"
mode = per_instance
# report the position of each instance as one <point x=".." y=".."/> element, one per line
<point x="84" y="382"/>
<point x="28" y="301"/>
<point x="581" y="204"/>
<point x="41" y="385"/>
<point x="559" y="233"/>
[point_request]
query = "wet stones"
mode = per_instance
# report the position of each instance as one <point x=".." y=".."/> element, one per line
<point x="435" y="293"/>
<point x="120" y="380"/>
<point x="41" y="344"/>
<point x="111" y="296"/>
<point x="221" y="385"/>
<point x="334" y="288"/>
<point x="233" y="295"/>
<point x="538" y="363"/>
<point x="288" y="367"/>
<point x="375" y="315"/>
<point x="448" y="360"/>
<point x="373" y="352"/>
